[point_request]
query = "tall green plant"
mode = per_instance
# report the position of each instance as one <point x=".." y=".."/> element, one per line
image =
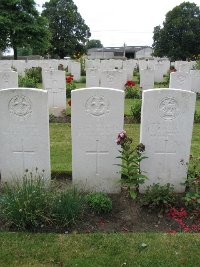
<point x="25" y="204"/>
<point x="131" y="159"/>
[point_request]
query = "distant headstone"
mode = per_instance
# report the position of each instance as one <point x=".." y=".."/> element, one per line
<point x="20" y="66"/>
<point x="54" y="82"/>
<point x="113" y="79"/>
<point x="8" y="79"/>
<point x="158" y="72"/>
<point x="195" y="76"/>
<point x="92" y="63"/>
<point x="5" y="65"/>
<point x="95" y="124"/>
<point x="147" y="79"/>
<point x="128" y="66"/>
<point x="166" y="131"/>
<point x="76" y="70"/>
<point x="180" y="80"/>
<point x="92" y="77"/>
<point x="24" y="133"/>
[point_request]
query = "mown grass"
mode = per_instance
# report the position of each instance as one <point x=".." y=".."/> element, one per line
<point x="89" y="250"/>
<point x="60" y="134"/>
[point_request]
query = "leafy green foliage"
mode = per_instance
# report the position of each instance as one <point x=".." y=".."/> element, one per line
<point x="179" y="38"/>
<point x="34" y="73"/>
<point x="68" y="29"/>
<point x="22" y="26"/>
<point x="99" y="202"/>
<point x="158" y="196"/>
<point x="27" y="82"/>
<point x="192" y="195"/>
<point x="26" y="204"/>
<point x="131" y="159"/>
<point x="93" y="44"/>
<point x="136" y="109"/>
<point x="133" y="92"/>
<point x="67" y="207"/>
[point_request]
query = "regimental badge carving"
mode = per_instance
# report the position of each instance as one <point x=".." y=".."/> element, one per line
<point x="97" y="105"/>
<point x="6" y="77"/>
<point x="168" y="108"/>
<point x="110" y="77"/>
<point x="181" y="78"/>
<point x="20" y="106"/>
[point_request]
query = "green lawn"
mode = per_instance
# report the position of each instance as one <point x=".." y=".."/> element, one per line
<point x="95" y="250"/>
<point x="60" y="134"/>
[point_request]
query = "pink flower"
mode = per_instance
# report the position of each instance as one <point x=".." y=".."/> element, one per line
<point x="121" y="136"/>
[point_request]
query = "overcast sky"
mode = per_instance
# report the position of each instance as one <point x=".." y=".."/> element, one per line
<point x="127" y="21"/>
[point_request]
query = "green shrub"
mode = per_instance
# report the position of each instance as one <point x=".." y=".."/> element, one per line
<point x="136" y="110"/>
<point x="158" y="196"/>
<point x="192" y="195"/>
<point x="34" y="73"/>
<point x="25" y="204"/>
<point x="27" y="82"/>
<point x="196" y="117"/>
<point x="67" y="207"/>
<point x="99" y="202"/>
<point x="133" y="92"/>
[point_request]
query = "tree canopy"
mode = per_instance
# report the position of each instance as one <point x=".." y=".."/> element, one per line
<point x="179" y="38"/>
<point x="22" y="26"/>
<point x="68" y="29"/>
<point x="94" y="44"/>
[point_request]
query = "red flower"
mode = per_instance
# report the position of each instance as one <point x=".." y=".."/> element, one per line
<point x="70" y="102"/>
<point x="69" y="79"/>
<point x="130" y="83"/>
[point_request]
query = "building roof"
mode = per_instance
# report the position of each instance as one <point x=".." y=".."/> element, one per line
<point x="129" y="49"/>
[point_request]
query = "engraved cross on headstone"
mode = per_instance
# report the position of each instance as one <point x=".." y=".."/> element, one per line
<point x="165" y="152"/>
<point x="23" y="152"/>
<point x="54" y="91"/>
<point x="97" y="152"/>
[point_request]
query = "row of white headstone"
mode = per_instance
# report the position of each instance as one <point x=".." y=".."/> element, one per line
<point x="53" y="81"/>
<point x="74" y="67"/>
<point x="97" y="118"/>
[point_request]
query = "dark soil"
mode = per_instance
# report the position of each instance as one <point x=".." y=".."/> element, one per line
<point x="127" y="216"/>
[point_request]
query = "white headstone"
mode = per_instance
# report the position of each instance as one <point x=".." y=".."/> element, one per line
<point x="5" y="65"/>
<point x="166" y="131"/>
<point x="20" y="66"/>
<point x="8" y="79"/>
<point x="24" y="133"/>
<point x="113" y="79"/>
<point x="54" y="82"/>
<point x="76" y="70"/>
<point x="158" y="72"/>
<point x="92" y="77"/>
<point x="95" y="124"/>
<point x="92" y="63"/>
<point x="195" y="76"/>
<point x="180" y="80"/>
<point x="147" y="79"/>
<point x="129" y="66"/>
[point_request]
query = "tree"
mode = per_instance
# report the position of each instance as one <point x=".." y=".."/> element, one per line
<point x="22" y="26"/>
<point x="68" y="29"/>
<point x="179" y="38"/>
<point x="94" y="44"/>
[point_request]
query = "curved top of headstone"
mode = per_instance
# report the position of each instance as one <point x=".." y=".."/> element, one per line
<point x="88" y="89"/>
<point x="23" y="89"/>
<point x="164" y="90"/>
